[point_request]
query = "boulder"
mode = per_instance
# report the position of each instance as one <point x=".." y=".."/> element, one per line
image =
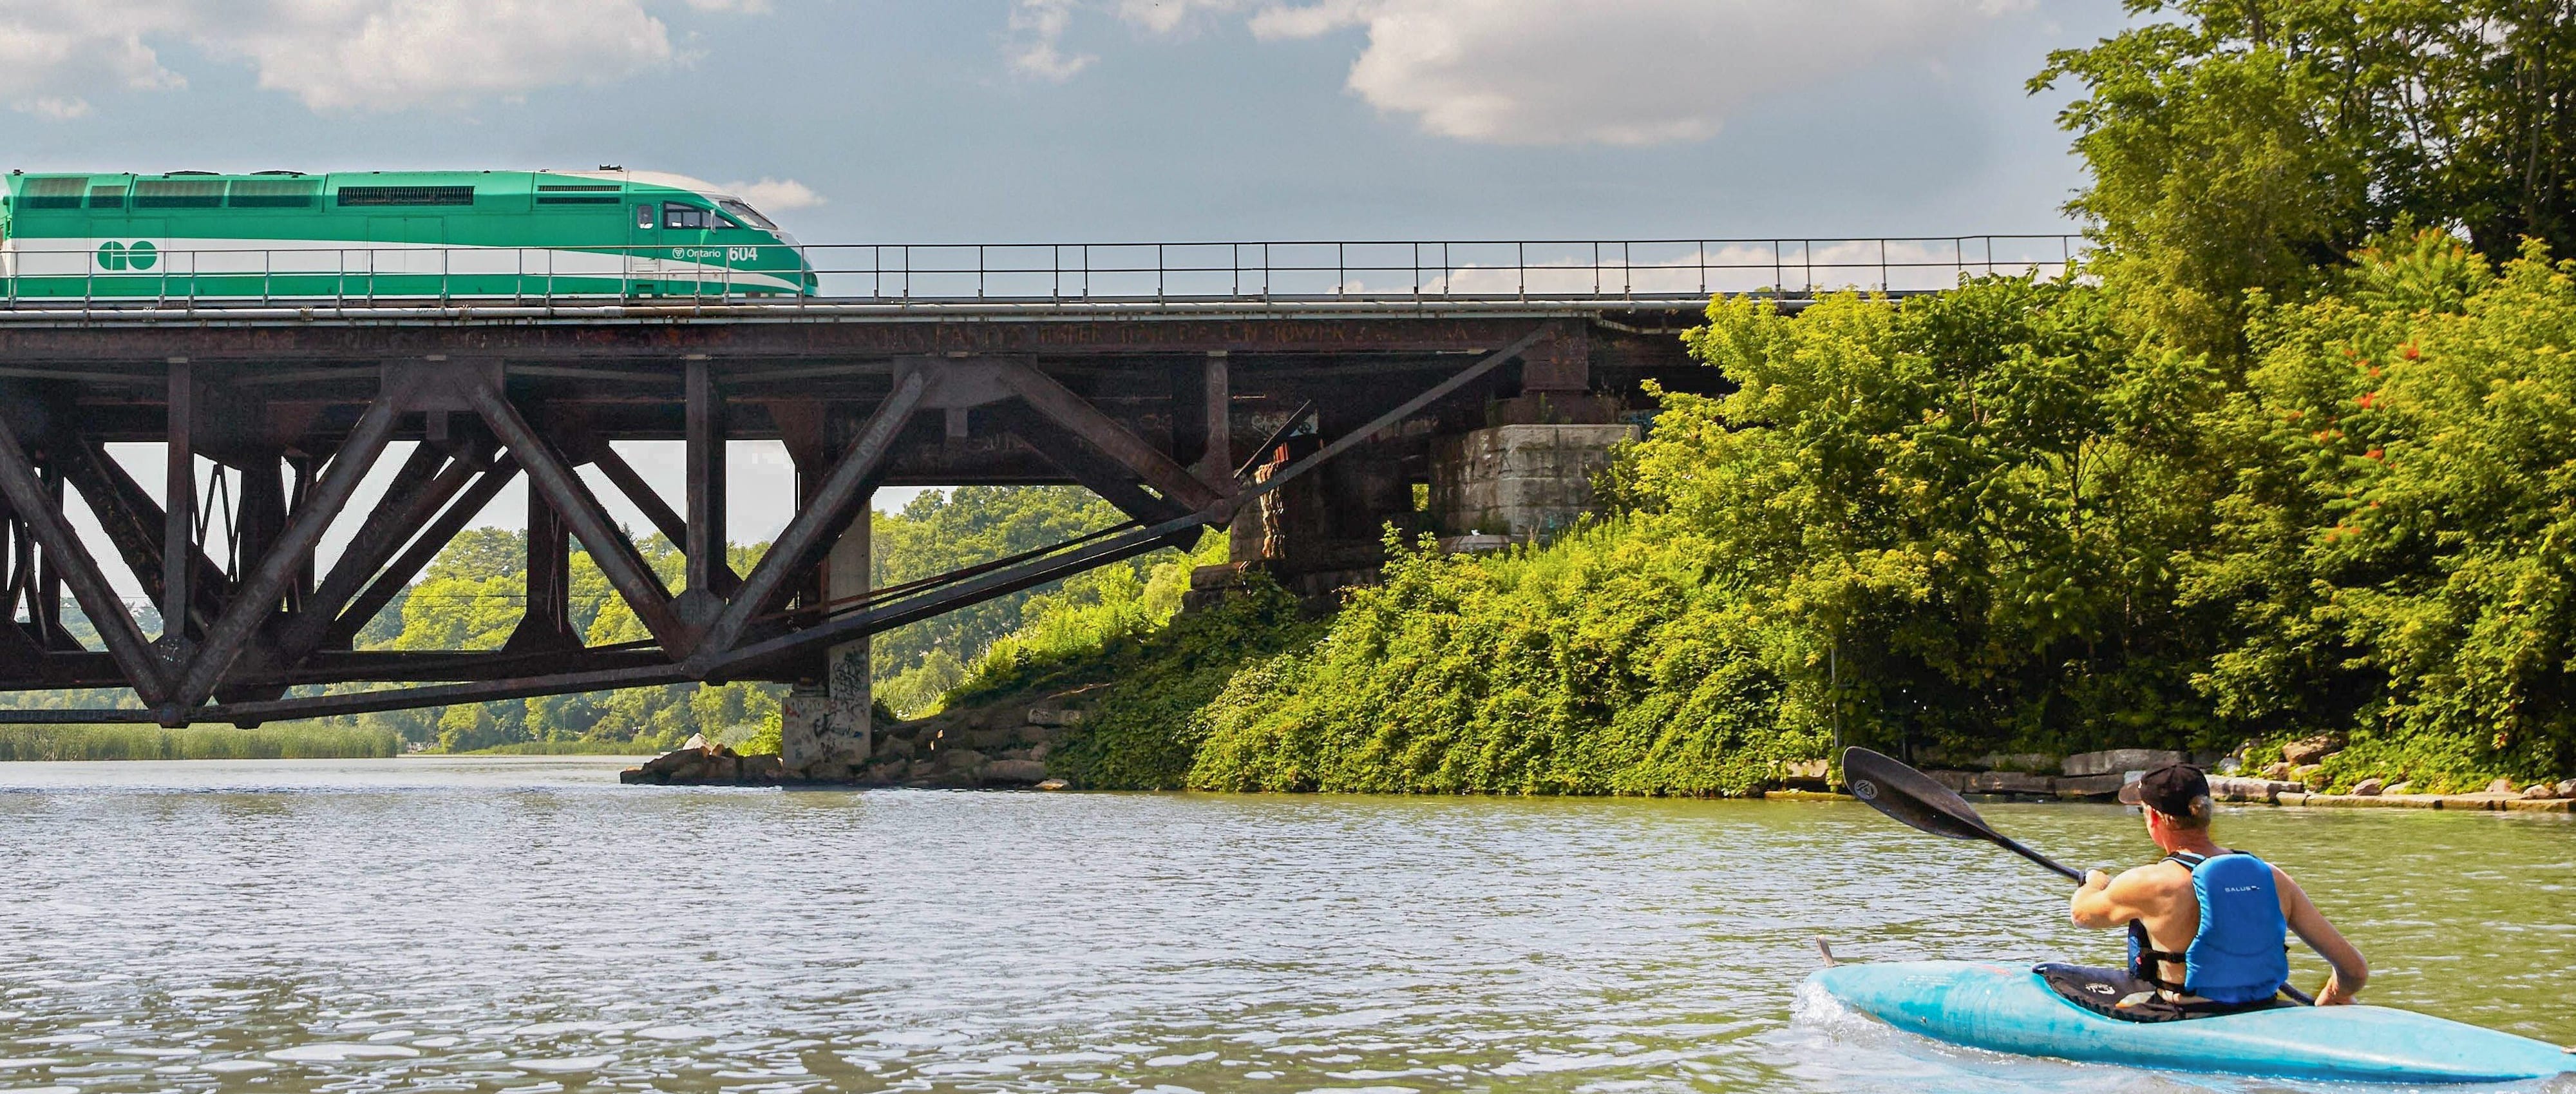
<point x="2406" y="786"/>
<point x="696" y="740"/>
<point x="2118" y="760"/>
<point x="684" y="765"/>
<point x="2368" y="788"/>
<point x="2306" y="773"/>
<point x="2088" y="786"/>
<point x="958" y="759"/>
<point x="2040" y="763"/>
<point x="1055" y="784"/>
<point x="2010" y="782"/>
<point x="896" y="747"/>
<point x="885" y="771"/>
<point x="988" y="740"/>
<point x="762" y="768"/>
<point x="2567" y="788"/>
<point x="2278" y="772"/>
<point x="2304" y="752"/>
<point x="1024" y="772"/>
<point x="2500" y="786"/>
<point x="1054" y="716"/>
<point x="2228" y="788"/>
<point x="720" y="766"/>
<point x="2540" y="792"/>
<point x="1806" y="773"/>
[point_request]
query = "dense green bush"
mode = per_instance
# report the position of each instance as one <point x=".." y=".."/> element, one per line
<point x="2398" y="555"/>
<point x="1943" y="523"/>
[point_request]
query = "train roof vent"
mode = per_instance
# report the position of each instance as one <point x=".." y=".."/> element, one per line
<point x="406" y="195"/>
<point x="276" y="193"/>
<point x="61" y="192"/>
<point x="297" y="173"/>
<point x="192" y="172"/>
<point x="177" y="193"/>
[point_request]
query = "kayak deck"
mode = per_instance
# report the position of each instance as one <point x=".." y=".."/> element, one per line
<point x="2008" y="1009"/>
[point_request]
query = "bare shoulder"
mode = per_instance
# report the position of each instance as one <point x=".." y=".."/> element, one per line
<point x="2292" y="897"/>
<point x="2151" y="885"/>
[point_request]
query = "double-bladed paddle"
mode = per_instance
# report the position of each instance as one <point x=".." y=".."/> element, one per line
<point x="1911" y="797"/>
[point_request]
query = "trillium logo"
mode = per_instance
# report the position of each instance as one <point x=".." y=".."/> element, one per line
<point x="1864" y="789"/>
<point x="138" y="255"/>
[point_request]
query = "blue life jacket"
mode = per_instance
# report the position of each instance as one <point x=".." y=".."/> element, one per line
<point x="2238" y="955"/>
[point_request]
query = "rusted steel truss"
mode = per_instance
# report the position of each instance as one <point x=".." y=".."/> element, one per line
<point x="297" y="417"/>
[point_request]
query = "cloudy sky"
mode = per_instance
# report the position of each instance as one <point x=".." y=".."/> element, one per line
<point x="1102" y="120"/>
<point x="1062" y="120"/>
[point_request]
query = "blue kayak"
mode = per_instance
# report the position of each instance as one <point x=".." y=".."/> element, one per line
<point x="2005" y="1009"/>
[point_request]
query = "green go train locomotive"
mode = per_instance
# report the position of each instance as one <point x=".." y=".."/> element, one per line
<point x="290" y="236"/>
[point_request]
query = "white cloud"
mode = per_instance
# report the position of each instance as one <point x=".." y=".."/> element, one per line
<point x="1037" y="42"/>
<point x="52" y="107"/>
<point x="1628" y="72"/>
<point x="390" y="54"/>
<point x="1624" y="72"/>
<point x="775" y="195"/>
<point x="336" y="55"/>
<point x="1170" y="16"/>
<point x="44" y="46"/>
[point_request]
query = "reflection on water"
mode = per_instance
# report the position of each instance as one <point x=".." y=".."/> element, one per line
<point x="525" y="924"/>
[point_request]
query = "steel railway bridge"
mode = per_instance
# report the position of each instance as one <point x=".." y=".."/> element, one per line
<point x="1192" y="386"/>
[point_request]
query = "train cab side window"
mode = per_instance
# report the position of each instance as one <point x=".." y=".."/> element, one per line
<point x="643" y="216"/>
<point x="680" y="215"/>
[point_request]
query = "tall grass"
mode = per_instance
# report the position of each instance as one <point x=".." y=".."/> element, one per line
<point x="117" y="742"/>
<point x="567" y="748"/>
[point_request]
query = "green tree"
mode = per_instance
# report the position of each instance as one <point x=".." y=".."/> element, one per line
<point x="2395" y="556"/>
<point x="2237" y="145"/>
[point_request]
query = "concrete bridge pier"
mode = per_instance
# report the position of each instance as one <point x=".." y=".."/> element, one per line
<point x="1509" y="462"/>
<point x="825" y="730"/>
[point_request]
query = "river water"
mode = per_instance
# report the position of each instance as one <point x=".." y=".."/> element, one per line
<point x="528" y="925"/>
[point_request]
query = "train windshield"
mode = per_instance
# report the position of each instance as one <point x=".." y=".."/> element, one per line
<point x="746" y="214"/>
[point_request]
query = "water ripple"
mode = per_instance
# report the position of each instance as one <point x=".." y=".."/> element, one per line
<point x="527" y="925"/>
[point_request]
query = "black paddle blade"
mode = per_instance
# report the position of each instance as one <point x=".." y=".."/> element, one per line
<point x="1910" y="796"/>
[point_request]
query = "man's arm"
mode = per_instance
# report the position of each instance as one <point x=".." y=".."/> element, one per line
<point x="2350" y="971"/>
<point x="2105" y="901"/>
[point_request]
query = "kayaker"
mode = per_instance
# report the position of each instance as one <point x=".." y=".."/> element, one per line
<point x="2234" y="958"/>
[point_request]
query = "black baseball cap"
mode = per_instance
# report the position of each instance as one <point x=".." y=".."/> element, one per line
<point x="2175" y="790"/>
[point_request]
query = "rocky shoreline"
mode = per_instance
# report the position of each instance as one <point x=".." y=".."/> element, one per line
<point x="2098" y="776"/>
<point x="998" y="746"/>
<point x="1004" y="746"/>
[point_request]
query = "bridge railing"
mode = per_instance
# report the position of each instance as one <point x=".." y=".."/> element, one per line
<point x="1043" y="273"/>
<point x="1486" y="269"/>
